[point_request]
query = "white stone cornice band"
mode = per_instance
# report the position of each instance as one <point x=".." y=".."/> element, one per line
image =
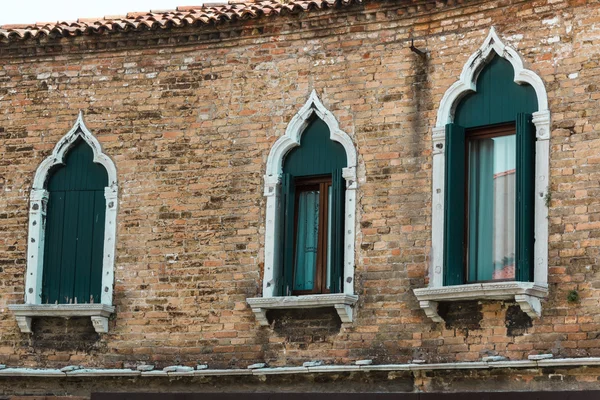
<point x="100" y="372"/>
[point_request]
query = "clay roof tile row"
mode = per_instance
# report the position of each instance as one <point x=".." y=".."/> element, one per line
<point x="155" y="19"/>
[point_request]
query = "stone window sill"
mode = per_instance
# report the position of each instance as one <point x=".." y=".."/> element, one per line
<point x="98" y="313"/>
<point x="342" y="302"/>
<point x="526" y="294"/>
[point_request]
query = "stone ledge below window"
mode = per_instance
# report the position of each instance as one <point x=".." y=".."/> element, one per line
<point x="526" y="294"/>
<point x="342" y="302"/>
<point x="98" y="313"/>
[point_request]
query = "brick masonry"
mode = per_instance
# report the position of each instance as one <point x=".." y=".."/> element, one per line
<point x="189" y="116"/>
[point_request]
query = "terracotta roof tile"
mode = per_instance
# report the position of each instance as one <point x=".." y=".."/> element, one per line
<point x="155" y="19"/>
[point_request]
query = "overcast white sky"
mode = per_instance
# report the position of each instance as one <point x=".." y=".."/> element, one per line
<point x="30" y="11"/>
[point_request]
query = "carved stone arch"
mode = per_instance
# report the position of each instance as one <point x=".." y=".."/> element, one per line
<point x="526" y="294"/>
<point x="282" y="146"/>
<point x="467" y="82"/>
<point x="297" y="126"/>
<point x="79" y="130"/>
<point x="37" y="221"/>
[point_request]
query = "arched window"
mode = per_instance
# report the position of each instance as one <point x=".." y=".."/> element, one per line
<point x="310" y="187"/>
<point x="72" y="226"/>
<point x="312" y="215"/>
<point x="490" y="179"/>
<point x="75" y="217"/>
<point x="490" y="185"/>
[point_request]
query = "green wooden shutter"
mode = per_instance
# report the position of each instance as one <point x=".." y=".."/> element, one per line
<point x="288" y="197"/>
<point x="74" y="236"/>
<point x="53" y="247"/>
<point x="525" y="192"/>
<point x="338" y="200"/>
<point x="454" y="210"/>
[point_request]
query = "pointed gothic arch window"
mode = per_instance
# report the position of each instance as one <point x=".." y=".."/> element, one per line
<point x="312" y="215"/>
<point x="72" y="226"/>
<point x="490" y="169"/>
<point x="74" y="239"/>
<point x="490" y="179"/>
<point x="310" y="185"/>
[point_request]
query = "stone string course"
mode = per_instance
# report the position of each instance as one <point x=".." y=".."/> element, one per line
<point x="189" y="128"/>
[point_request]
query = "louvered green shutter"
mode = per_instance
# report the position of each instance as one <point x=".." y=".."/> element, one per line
<point x="74" y="236"/>
<point x="525" y="197"/>
<point x="288" y="195"/>
<point x="338" y="188"/>
<point x="454" y="210"/>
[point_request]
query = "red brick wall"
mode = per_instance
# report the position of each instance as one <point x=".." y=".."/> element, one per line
<point x="189" y="126"/>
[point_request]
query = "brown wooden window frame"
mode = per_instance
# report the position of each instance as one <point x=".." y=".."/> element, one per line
<point x="323" y="185"/>
<point x="478" y="133"/>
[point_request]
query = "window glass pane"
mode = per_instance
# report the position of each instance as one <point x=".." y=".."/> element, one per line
<point x="491" y="224"/>
<point x="307" y="238"/>
<point x="329" y="232"/>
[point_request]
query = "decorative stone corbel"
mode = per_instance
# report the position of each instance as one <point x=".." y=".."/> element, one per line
<point x="261" y="316"/>
<point x="431" y="310"/>
<point x="24" y="324"/>
<point x="530" y="305"/>
<point x="344" y="311"/>
<point x="100" y="324"/>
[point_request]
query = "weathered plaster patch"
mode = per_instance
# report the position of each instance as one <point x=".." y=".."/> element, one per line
<point x="551" y="21"/>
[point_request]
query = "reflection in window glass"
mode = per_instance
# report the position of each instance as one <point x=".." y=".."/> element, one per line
<point x="491" y="208"/>
<point x="329" y="238"/>
<point x="307" y="240"/>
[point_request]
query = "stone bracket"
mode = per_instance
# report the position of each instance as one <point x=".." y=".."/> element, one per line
<point x="98" y="313"/>
<point x="343" y="304"/>
<point x="526" y="294"/>
<point x="24" y="324"/>
<point x="261" y="315"/>
<point x="100" y="324"/>
<point x="431" y="310"/>
<point x="530" y="305"/>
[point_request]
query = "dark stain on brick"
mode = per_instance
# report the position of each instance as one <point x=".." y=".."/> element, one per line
<point x="392" y="97"/>
<point x="60" y="334"/>
<point x="150" y="115"/>
<point x="305" y="326"/>
<point x="517" y="321"/>
<point x="171" y="215"/>
<point x="461" y="315"/>
<point x="214" y="203"/>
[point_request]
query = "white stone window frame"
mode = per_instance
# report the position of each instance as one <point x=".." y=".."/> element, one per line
<point x="525" y="294"/>
<point x="342" y="302"/>
<point x="33" y="306"/>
